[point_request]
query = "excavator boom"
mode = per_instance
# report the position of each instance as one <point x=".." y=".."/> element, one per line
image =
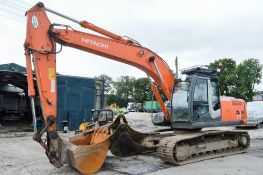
<point x="111" y="46"/>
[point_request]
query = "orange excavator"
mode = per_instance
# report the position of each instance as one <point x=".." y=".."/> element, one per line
<point x="195" y="102"/>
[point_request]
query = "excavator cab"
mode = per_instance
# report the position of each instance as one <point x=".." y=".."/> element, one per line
<point x="195" y="102"/>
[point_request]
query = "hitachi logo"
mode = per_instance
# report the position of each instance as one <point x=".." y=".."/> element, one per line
<point x="94" y="43"/>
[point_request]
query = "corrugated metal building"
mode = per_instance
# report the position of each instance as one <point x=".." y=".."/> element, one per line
<point x="76" y="97"/>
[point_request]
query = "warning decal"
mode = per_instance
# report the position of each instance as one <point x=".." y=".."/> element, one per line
<point x="51" y="73"/>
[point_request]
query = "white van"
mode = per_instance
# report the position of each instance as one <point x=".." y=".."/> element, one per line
<point x="131" y="107"/>
<point x="254" y="113"/>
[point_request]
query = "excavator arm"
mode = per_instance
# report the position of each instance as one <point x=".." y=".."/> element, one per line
<point x="40" y="48"/>
<point x="42" y="36"/>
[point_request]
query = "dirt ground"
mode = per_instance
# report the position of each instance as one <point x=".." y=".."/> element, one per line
<point x="20" y="155"/>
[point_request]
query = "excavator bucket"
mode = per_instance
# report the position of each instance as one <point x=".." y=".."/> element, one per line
<point x="87" y="159"/>
<point x="87" y="151"/>
<point x="127" y="142"/>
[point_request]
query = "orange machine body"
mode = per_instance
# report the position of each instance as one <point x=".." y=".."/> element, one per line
<point x="233" y="109"/>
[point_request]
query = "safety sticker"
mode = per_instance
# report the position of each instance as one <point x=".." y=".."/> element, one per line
<point x="51" y="73"/>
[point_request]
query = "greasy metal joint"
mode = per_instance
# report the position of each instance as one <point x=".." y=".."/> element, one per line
<point x="51" y="120"/>
<point x="26" y="45"/>
<point x="49" y="101"/>
<point x="129" y="41"/>
<point x="40" y="4"/>
<point x="151" y="59"/>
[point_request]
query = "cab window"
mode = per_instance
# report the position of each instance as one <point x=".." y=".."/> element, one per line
<point x="200" y="103"/>
<point x="180" y="101"/>
<point x="215" y="94"/>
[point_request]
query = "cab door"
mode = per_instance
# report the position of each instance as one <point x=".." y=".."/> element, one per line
<point x="206" y="102"/>
<point x="214" y="99"/>
<point x="200" y="98"/>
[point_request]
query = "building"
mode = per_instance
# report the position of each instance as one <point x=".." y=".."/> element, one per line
<point x="76" y="97"/>
<point x="258" y="96"/>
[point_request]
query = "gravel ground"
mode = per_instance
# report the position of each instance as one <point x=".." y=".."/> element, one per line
<point x="20" y="155"/>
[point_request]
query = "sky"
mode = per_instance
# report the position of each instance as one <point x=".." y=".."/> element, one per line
<point x="198" y="32"/>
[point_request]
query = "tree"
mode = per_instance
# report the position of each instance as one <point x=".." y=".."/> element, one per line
<point x="108" y="83"/>
<point x="142" y="90"/>
<point x="128" y="89"/>
<point x="247" y="74"/>
<point x="226" y="74"/>
<point x="111" y="99"/>
<point x="124" y="89"/>
<point x="238" y="80"/>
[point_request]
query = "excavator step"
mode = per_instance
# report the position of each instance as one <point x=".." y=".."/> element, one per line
<point x="188" y="148"/>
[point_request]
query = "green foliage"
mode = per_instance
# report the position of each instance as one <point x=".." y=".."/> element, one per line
<point x="124" y="90"/>
<point x="248" y="73"/>
<point x="125" y="87"/>
<point x="238" y="80"/>
<point x="226" y="74"/>
<point x="108" y="83"/>
<point x="142" y="90"/>
<point x="128" y="89"/>
<point x="113" y="98"/>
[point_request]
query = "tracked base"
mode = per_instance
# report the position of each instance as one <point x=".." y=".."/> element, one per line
<point x="188" y="148"/>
